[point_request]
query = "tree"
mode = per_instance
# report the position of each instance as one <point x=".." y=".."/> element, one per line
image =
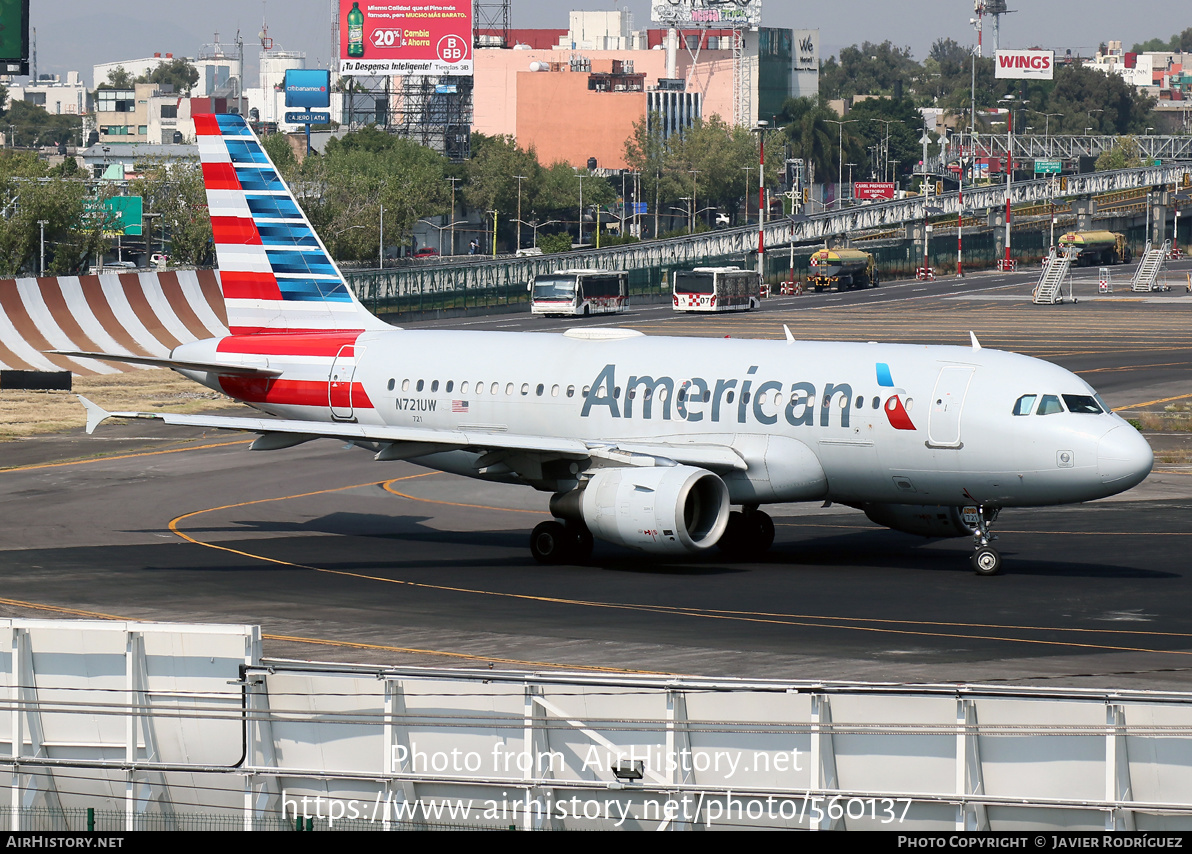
<point x="1125" y="154"/>
<point x="871" y="69"/>
<point x="344" y="190"/>
<point x="176" y="72"/>
<point x="118" y="78"/>
<point x="174" y="191"/>
<point x="33" y="126"/>
<point x="31" y="194"/>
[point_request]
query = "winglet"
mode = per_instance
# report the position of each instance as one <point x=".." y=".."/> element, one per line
<point x="96" y="414"/>
<point x="976" y="343"/>
<point x="790" y="339"/>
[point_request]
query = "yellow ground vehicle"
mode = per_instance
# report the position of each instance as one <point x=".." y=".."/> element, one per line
<point x="841" y="269"/>
<point x="1098" y="247"/>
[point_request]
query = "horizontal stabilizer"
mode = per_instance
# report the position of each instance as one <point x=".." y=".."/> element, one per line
<point x="176" y="364"/>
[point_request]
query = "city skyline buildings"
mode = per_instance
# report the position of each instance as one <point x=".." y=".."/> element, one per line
<point x="75" y="34"/>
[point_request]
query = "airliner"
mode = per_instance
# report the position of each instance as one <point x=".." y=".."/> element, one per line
<point x="642" y="441"/>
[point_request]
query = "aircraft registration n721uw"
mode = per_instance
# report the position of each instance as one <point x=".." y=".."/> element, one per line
<point x="643" y="441"/>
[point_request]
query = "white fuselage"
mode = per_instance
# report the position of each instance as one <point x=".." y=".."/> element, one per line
<point x="849" y="422"/>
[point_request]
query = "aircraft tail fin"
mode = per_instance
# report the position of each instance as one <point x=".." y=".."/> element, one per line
<point x="276" y="274"/>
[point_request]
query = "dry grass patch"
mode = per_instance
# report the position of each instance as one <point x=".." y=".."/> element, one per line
<point x="26" y="413"/>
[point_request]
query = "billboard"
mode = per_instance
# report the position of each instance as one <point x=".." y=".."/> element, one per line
<point x="412" y="37"/>
<point x="869" y="190"/>
<point x="308" y="87"/>
<point x="1029" y="64"/>
<point x="14" y="36"/>
<point x="707" y="13"/>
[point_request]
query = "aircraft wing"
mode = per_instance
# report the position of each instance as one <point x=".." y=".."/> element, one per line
<point x="419" y="441"/>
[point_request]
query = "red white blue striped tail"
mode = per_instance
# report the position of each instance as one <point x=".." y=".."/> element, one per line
<point x="276" y="274"/>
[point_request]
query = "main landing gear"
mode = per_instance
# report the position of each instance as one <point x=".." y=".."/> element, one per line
<point x="985" y="560"/>
<point x="554" y="543"/>
<point x="749" y="534"/>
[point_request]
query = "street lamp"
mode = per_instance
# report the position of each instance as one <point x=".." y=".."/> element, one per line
<point x="1006" y="265"/>
<point x="442" y="228"/>
<point x="453" y="181"/>
<point x="691" y="222"/>
<point x="519" y="178"/>
<point x="581" y="206"/>
<point x="840" y="123"/>
<point x="42" y="223"/>
<point x="760" y="130"/>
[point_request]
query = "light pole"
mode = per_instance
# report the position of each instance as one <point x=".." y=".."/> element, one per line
<point x="519" y="178"/>
<point x="381" y="241"/>
<point x="840" y="123"/>
<point x="581" y="206"/>
<point x="42" y="223"/>
<point x="452" y="180"/>
<point x="760" y="129"/>
<point x="691" y="222"/>
<point x="851" y="195"/>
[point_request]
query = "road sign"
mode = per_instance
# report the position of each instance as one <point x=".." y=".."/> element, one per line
<point x="308" y="118"/>
<point x="118" y="214"/>
<point x="1048" y="167"/>
<point x="867" y="190"/>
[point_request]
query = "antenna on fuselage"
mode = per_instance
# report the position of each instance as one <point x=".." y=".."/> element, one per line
<point x="976" y="343"/>
<point x="790" y="339"/>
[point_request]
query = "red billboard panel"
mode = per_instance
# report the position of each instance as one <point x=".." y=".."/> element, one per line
<point x="869" y="190"/>
<point x="412" y="37"/>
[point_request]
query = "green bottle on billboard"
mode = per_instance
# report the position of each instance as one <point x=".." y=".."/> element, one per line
<point x="356" y="32"/>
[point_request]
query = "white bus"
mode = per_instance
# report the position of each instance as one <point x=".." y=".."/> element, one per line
<point x="580" y="292"/>
<point x="716" y="289"/>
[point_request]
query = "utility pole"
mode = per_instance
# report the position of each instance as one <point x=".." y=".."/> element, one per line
<point x="42" y="223"/>
<point x="519" y="178"/>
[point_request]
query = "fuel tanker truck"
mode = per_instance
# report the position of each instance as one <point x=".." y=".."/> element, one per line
<point x="1097" y="247"/>
<point x="841" y="268"/>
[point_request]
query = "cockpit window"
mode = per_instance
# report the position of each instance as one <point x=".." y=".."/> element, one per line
<point x="1025" y="404"/>
<point x="1082" y="403"/>
<point x="1049" y="405"/>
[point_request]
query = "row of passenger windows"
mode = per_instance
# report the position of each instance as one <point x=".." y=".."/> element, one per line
<point x="682" y="395"/>
<point x="1049" y="404"/>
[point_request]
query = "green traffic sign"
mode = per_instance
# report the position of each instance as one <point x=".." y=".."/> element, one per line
<point x="121" y="214"/>
<point x="1048" y="167"/>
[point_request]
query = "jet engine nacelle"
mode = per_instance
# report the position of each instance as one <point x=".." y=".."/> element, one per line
<point x="924" y="520"/>
<point x="658" y="509"/>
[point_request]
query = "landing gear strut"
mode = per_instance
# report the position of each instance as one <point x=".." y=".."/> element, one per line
<point x="749" y="534"/>
<point x="553" y="543"/>
<point x="985" y="560"/>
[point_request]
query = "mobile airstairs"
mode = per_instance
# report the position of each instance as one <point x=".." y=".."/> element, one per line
<point x="1149" y="267"/>
<point x="1056" y="270"/>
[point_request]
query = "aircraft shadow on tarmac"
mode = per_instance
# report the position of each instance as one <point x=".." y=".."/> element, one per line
<point x="858" y="550"/>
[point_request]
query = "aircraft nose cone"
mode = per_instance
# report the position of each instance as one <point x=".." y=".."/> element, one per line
<point x="1124" y="458"/>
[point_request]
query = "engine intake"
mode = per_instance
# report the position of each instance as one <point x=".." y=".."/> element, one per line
<point x="657" y="509"/>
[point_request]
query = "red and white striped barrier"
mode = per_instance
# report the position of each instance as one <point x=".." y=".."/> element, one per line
<point x="144" y="314"/>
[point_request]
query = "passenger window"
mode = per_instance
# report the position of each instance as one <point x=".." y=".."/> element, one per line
<point x="434" y="386"/>
<point x="495" y="389"/>
<point x="525" y="388"/>
<point x="554" y="391"/>
<point x="728" y="397"/>
<point x="420" y="385"/>
<point x="463" y="387"/>
<point x="877" y="403"/>
<point x="450" y="385"/>
<point x="1082" y="403"/>
<point x="860" y="401"/>
<point x="405" y="385"/>
<point x="1049" y="405"/>
<point x="509" y="388"/>
<point x="538" y="391"/>
<point x="1025" y="404"/>
<point x="571" y="391"/>
<point x="392" y="383"/>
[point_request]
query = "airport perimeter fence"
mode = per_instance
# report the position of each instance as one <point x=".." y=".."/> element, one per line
<point x="503" y="283"/>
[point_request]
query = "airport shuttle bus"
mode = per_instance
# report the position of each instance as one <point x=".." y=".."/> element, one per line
<point x="580" y="292"/>
<point x="716" y="289"/>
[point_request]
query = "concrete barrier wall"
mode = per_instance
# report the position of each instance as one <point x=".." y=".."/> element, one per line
<point x="142" y="314"/>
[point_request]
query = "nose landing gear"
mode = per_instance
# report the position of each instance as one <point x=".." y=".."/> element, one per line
<point x="985" y="560"/>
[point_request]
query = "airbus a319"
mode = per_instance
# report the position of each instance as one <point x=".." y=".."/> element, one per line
<point x="643" y="441"/>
